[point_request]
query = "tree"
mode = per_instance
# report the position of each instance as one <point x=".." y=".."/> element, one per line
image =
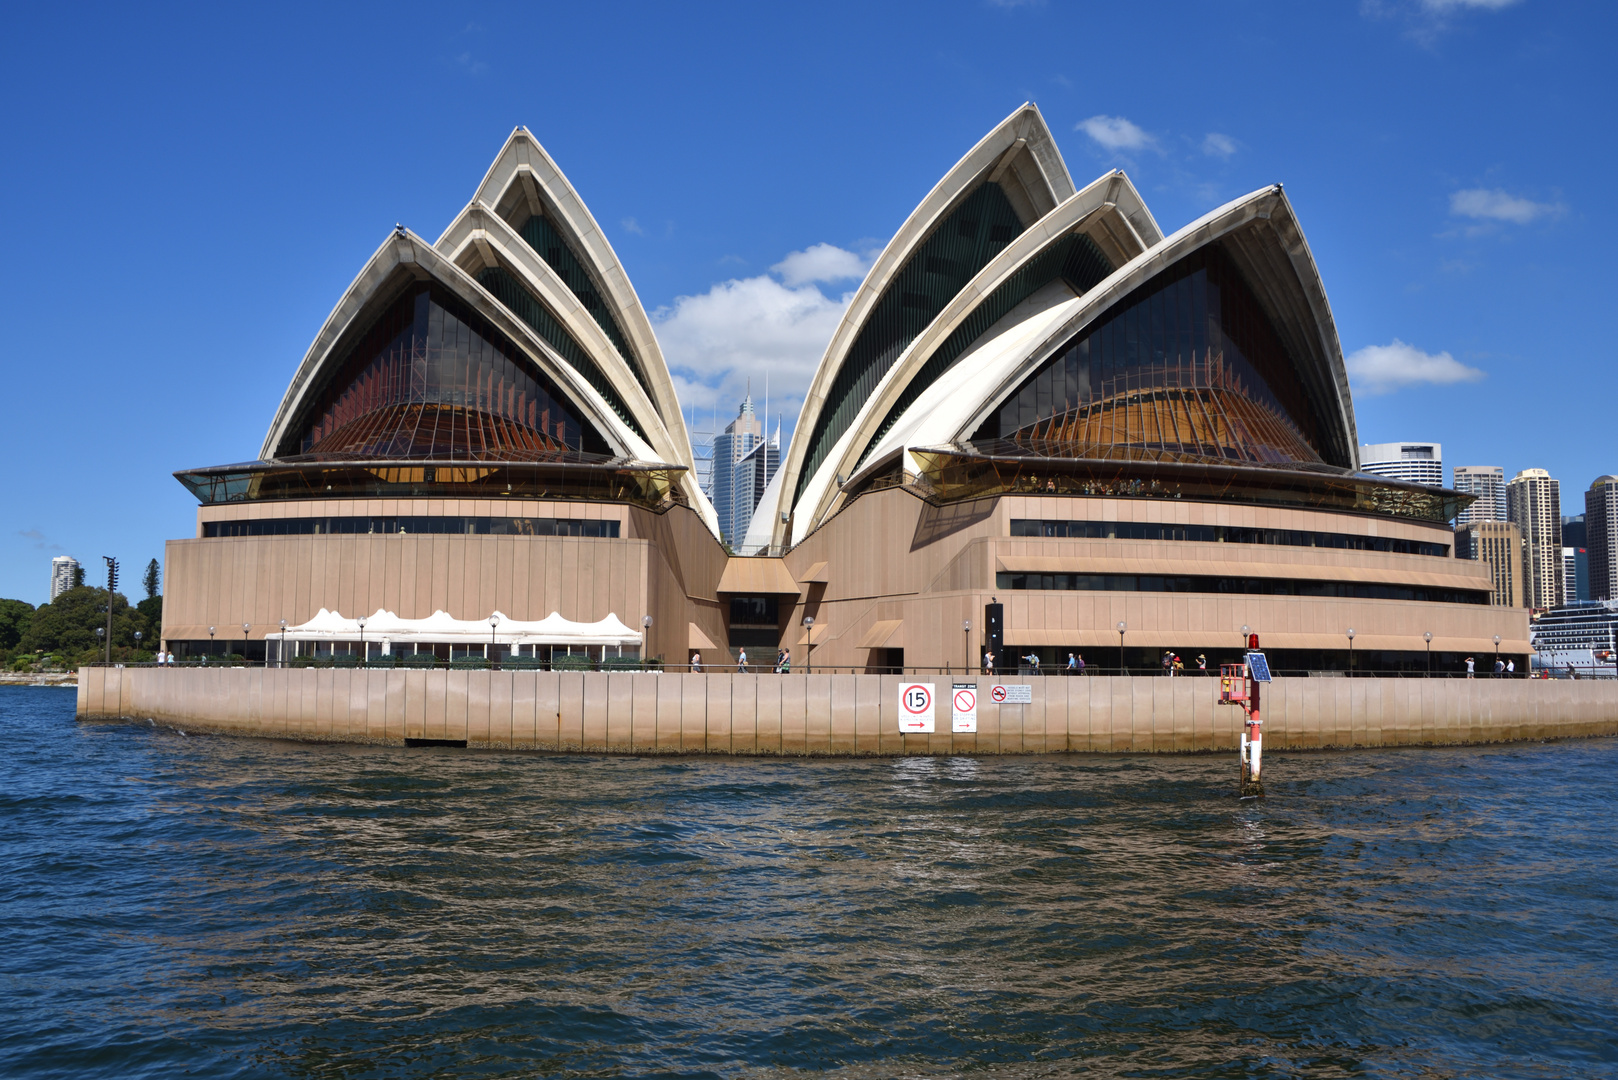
<point x="14" y="618"/>
<point x="151" y="579"/>
<point x="68" y="623"/>
<point x="78" y="576"/>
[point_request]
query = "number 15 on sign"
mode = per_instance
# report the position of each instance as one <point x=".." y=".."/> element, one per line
<point x="916" y="707"/>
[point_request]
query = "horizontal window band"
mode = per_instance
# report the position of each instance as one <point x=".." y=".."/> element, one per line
<point x="429" y="526"/>
<point x="1189" y="583"/>
<point x="1220" y="534"/>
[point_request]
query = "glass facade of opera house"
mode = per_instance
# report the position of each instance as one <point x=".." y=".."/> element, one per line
<point x="1037" y="400"/>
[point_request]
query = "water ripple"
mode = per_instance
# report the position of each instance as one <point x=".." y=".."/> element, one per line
<point x="241" y="908"/>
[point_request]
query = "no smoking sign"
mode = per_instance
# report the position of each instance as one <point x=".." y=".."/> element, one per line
<point x="916" y="707"/>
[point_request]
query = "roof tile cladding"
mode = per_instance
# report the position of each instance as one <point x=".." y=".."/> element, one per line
<point x="1188" y="363"/>
<point x="963" y="243"/>
<point x="1076" y="260"/>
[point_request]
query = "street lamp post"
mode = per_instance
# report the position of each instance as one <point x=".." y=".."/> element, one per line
<point x="101" y="636"/>
<point x="281" y="656"/>
<point x="809" y="639"/>
<point x="1495" y="671"/>
<point x="137" y="642"/>
<point x="493" y="621"/>
<point x="1350" y="652"/>
<point x="1428" y="637"/>
<point x="210" y="641"/>
<point x="246" y="626"/>
<point x="1122" y="626"/>
<point x="645" y="632"/>
<point x="363" y="657"/>
<point x="966" y="649"/>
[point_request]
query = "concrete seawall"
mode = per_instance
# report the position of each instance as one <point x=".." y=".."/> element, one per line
<point x="832" y="714"/>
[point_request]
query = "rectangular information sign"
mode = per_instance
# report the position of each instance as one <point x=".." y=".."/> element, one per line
<point x="963" y="707"/>
<point x="1258" y="667"/>
<point x="1012" y="694"/>
<point x="916" y="707"/>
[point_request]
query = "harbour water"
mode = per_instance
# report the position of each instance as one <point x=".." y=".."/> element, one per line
<point x="173" y="904"/>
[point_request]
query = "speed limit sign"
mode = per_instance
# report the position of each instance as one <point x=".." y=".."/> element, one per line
<point x="916" y="707"/>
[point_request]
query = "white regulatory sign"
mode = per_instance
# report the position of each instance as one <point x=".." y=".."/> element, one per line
<point x="963" y="709"/>
<point x="916" y="707"/>
<point x="1013" y="694"/>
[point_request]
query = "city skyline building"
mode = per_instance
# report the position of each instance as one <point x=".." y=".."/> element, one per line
<point x="1413" y="462"/>
<point x="64" y="569"/>
<point x="1498" y="543"/>
<point x="1601" y="534"/>
<point x="1488" y="484"/>
<point x="730" y="447"/>
<point x="1533" y="503"/>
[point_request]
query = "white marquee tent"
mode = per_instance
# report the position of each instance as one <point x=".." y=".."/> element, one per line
<point x="386" y="629"/>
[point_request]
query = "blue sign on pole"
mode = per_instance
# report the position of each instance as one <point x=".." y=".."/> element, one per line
<point x="1258" y="667"/>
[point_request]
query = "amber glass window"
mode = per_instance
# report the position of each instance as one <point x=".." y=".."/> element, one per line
<point x="431" y="378"/>
<point x="1188" y="365"/>
<point x="413" y="526"/>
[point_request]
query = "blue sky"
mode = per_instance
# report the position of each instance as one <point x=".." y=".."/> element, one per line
<point x="188" y="191"/>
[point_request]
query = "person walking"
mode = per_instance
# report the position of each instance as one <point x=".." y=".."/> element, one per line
<point x="1081" y="663"/>
<point x="1202" y="664"/>
<point x="1179" y="667"/>
<point x="988" y="662"/>
<point x="1468" y="667"/>
<point x="1033" y="662"/>
<point x="1511" y="668"/>
<point x="1168" y="662"/>
<point x="1072" y="664"/>
<point x="786" y="662"/>
<point x="1499" y="666"/>
<point x="696" y="663"/>
<point x="741" y="661"/>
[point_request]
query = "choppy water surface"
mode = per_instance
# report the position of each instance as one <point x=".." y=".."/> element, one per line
<point x="231" y="907"/>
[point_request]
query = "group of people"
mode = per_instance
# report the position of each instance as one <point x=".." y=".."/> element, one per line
<point x="1173" y="665"/>
<point x="783" y="662"/>
<point x="1075" y="663"/>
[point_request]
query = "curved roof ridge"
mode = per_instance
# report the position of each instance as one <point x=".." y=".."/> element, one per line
<point x="1020" y="146"/>
<point x="1107" y="209"/>
<point x="405" y="258"/>
<point x="1268" y="204"/>
<point x="523" y="154"/>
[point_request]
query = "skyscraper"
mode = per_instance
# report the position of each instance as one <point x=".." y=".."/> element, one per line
<point x="752" y="474"/>
<point x="1498" y="543"/>
<point x="1575" y="560"/>
<point x="730" y="446"/>
<point x="1534" y="504"/>
<point x="63" y="570"/>
<point x="1413" y="462"/>
<point x="1601" y="533"/>
<point x="1488" y="483"/>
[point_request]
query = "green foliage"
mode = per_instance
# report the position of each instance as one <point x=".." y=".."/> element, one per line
<point x="621" y="663"/>
<point x="417" y="660"/>
<point x="571" y="663"/>
<point x="14" y="618"/>
<point x="68" y="623"/>
<point x="151" y="609"/>
<point x="149" y="581"/>
<point x="78" y="577"/>
<point x="469" y="662"/>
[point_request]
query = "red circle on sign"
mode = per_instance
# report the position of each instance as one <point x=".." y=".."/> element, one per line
<point x="966" y="700"/>
<point x="923" y="698"/>
<point x="998" y="693"/>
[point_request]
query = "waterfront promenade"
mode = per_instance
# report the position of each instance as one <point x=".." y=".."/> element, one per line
<point x="835" y="715"/>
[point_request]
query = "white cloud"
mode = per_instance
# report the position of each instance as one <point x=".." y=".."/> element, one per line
<point x="1382" y="369"/>
<point x="1217" y="145"/>
<point x="756" y="327"/>
<point x="632" y="226"/>
<point x="1115" y="133"/>
<point x="1496" y="205"/>
<point x="822" y="262"/>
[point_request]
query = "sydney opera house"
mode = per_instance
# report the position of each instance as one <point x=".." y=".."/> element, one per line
<point x="1131" y="442"/>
